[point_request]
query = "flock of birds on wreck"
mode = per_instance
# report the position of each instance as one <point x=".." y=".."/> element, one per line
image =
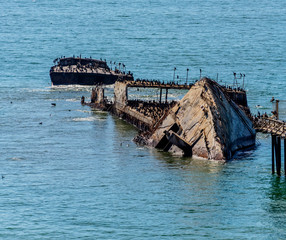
<point x="92" y="67"/>
<point x="155" y="110"/>
<point x="117" y="69"/>
<point x="152" y="109"/>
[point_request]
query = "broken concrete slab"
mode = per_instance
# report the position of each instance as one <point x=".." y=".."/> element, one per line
<point x="208" y="121"/>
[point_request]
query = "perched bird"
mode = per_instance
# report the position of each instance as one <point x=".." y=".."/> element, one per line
<point x="272" y="99"/>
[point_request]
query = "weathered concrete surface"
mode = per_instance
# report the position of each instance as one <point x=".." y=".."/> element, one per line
<point x="97" y="95"/>
<point x="208" y="121"/>
<point x="120" y="93"/>
<point x="98" y="100"/>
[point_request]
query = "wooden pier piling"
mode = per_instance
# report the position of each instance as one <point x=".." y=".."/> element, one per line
<point x="277" y="129"/>
<point x="273" y="153"/>
<point x="166" y="99"/>
<point x="278" y="155"/>
<point x="285" y="156"/>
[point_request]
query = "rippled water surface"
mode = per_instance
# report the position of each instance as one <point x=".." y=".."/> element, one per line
<point x="72" y="173"/>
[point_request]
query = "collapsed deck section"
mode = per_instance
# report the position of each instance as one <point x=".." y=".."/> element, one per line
<point x="206" y="123"/>
<point x="143" y="114"/>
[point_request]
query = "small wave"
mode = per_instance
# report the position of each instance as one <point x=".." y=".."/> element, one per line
<point x="75" y="88"/>
<point x="83" y="111"/>
<point x="16" y="158"/>
<point x="73" y="100"/>
<point x="53" y="99"/>
<point x="86" y="119"/>
<point x="259" y="106"/>
<point x="111" y="86"/>
<point x="36" y="90"/>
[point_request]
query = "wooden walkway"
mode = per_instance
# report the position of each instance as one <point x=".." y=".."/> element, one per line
<point x="157" y="84"/>
<point x="272" y="126"/>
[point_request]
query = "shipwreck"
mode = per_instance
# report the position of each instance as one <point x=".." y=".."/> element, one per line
<point x="85" y="71"/>
<point x="211" y="121"/>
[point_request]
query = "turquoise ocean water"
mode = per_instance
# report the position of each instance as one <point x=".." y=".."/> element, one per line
<point x="78" y="175"/>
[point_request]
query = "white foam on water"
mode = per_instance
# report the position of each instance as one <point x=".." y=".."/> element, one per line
<point x="16" y="158"/>
<point x="77" y="87"/>
<point x="36" y="90"/>
<point x="86" y="119"/>
<point x="71" y="88"/>
<point x="72" y="100"/>
<point x="83" y="111"/>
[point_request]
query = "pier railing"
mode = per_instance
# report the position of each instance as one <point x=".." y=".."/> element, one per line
<point x="272" y="126"/>
<point x="157" y="84"/>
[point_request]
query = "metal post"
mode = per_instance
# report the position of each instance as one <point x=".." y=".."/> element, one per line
<point x="234" y="78"/>
<point x="174" y="74"/>
<point x="160" y="95"/>
<point x="166" y="95"/>
<point x="273" y="153"/>
<point x="200" y="74"/>
<point x="277" y="109"/>
<point x="187" y="75"/>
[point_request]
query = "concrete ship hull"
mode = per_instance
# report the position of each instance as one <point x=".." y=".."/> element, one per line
<point x="85" y="71"/>
<point x="68" y="78"/>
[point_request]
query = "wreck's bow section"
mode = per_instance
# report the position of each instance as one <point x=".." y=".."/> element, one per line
<point x="205" y="123"/>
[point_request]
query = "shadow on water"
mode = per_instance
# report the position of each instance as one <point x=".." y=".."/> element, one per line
<point x="188" y="163"/>
<point x="124" y="129"/>
<point x="277" y="192"/>
<point x="100" y="114"/>
<point x="277" y="205"/>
